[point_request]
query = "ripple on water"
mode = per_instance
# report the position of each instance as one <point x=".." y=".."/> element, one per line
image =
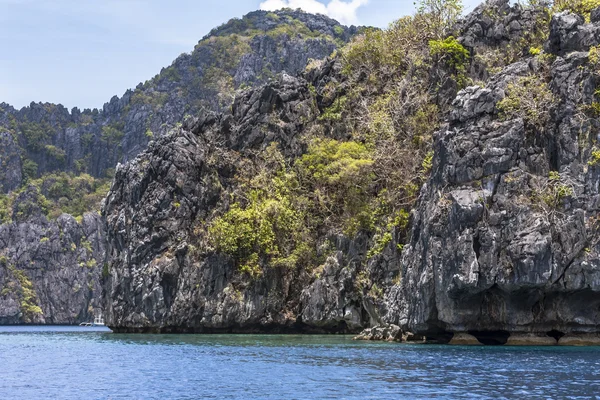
<point x="74" y="363"/>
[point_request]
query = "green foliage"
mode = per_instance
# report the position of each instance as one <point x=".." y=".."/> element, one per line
<point x="334" y="112"/>
<point x="391" y="49"/>
<point x="380" y="243"/>
<point x="111" y="135"/>
<point x="225" y="55"/>
<point x="594" y="56"/>
<point x="553" y="193"/>
<point x="105" y="271"/>
<point x="257" y="231"/>
<point x="581" y="7"/>
<point x="171" y="73"/>
<point x="528" y="98"/>
<point x="440" y="16"/>
<point x="375" y="291"/>
<point x="427" y="163"/>
<point x="57" y="194"/>
<point x="451" y="53"/>
<point x="31" y="204"/>
<point x="329" y="162"/>
<point x="5" y="209"/>
<point x="36" y="134"/>
<point x="87" y="246"/>
<point x="269" y="224"/>
<point x="283" y="208"/>
<point x="339" y="175"/>
<point x="534" y="51"/>
<point x="293" y="28"/>
<point x="227" y="51"/>
<point x="383" y="237"/>
<point x="27" y="296"/>
<point x="595" y="157"/>
<point x="153" y="98"/>
<point x="56" y="153"/>
<point x="30" y="169"/>
<point x="391" y="108"/>
<point x="374" y="50"/>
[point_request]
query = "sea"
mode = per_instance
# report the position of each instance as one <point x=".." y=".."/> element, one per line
<point x="56" y="362"/>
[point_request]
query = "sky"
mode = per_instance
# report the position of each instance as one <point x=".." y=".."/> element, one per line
<point x="80" y="53"/>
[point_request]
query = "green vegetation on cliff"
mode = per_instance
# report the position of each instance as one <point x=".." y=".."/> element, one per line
<point x="396" y="86"/>
<point x="387" y="102"/>
<point x="54" y="195"/>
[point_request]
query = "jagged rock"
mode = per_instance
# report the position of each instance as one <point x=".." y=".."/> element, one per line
<point x="388" y="333"/>
<point x="158" y="283"/>
<point x="10" y="163"/>
<point x="485" y="255"/>
<point x="496" y="23"/>
<point x="52" y="139"/>
<point x="485" y="263"/>
<point x="53" y="265"/>
<point x="274" y="42"/>
<point x="569" y="32"/>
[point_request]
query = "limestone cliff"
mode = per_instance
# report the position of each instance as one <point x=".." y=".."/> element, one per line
<point x="505" y="234"/>
<point x="161" y="280"/>
<point x="49" y="270"/>
<point x="503" y="239"/>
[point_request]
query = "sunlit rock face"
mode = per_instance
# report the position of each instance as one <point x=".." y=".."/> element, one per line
<point x="505" y="235"/>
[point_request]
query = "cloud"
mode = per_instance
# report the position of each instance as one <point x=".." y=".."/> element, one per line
<point x="343" y="11"/>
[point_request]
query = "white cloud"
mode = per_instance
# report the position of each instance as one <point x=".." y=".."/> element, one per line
<point x="343" y="11"/>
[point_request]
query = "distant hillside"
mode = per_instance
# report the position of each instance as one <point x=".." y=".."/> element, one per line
<point x="45" y="138"/>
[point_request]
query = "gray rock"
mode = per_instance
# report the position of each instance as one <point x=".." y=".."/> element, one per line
<point x="159" y="282"/>
<point x="568" y="33"/>
<point x="53" y="265"/>
<point x="487" y="255"/>
<point x="11" y="174"/>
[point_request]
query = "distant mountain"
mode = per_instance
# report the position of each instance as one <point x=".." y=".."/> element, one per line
<point x="45" y="138"/>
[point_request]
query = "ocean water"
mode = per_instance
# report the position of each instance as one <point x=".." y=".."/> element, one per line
<point x="90" y="363"/>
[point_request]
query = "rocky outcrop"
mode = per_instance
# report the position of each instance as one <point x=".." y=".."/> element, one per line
<point x="49" y="270"/>
<point x="504" y="240"/>
<point x="496" y="23"/>
<point x="158" y="280"/>
<point x="505" y="244"/>
<point x="10" y="163"/>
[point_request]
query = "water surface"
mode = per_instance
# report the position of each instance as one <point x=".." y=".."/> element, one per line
<point x="91" y="363"/>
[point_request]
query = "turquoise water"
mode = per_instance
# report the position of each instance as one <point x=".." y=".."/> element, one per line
<point x="84" y="363"/>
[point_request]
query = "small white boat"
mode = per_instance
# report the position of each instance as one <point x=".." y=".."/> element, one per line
<point x="98" y="321"/>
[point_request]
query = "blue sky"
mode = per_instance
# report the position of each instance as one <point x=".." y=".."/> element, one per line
<point x="82" y="52"/>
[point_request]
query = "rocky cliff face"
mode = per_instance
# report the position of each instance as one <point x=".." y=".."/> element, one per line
<point x="160" y="281"/>
<point x="503" y="241"/>
<point x="505" y="235"/>
<point x="49" y="269"/>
